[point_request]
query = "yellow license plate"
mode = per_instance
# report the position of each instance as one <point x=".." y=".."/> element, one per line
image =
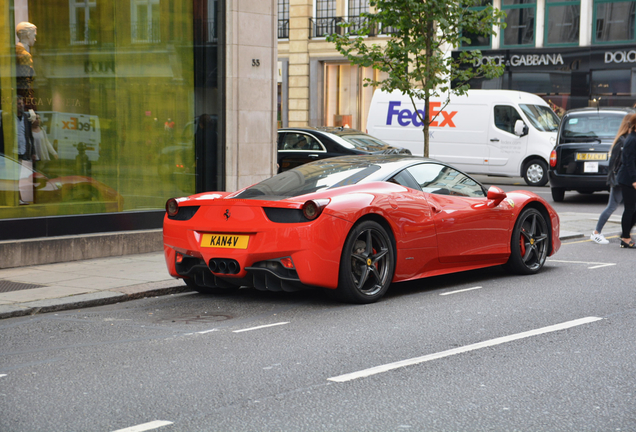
<point x="591" y="156"/>
<point x="231" y="241"/>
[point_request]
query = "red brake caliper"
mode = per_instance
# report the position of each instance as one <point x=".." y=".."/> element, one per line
<point x="522" y="245"/>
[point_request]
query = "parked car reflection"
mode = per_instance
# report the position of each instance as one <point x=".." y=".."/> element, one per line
<point x="67" y="189"/>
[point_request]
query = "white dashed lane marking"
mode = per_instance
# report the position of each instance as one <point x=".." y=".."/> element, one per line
<point x="497" y="341"/>
<point x="594" y="265"/>
<point x="260" y="327"/>
<point x="460" y="291"/>
<point x="146" y="426"/>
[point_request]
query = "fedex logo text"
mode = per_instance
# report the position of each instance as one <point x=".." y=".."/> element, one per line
<point x="74" y="124"/>
<point x="407" y="117"/>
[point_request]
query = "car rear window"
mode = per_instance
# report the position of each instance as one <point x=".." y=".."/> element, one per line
<point x="599" y="125"/>
<point x="309" y="178"/>
<point x="364" y="142"/>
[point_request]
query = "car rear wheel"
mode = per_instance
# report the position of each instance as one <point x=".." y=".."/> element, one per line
<point x="203" y="289"/>
<point x="366" y="265"/>
<point x="535" y="173"/>
<point x="558" y="194"/>
<point x="529" y="243"/>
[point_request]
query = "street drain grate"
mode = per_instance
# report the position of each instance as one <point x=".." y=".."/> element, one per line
<point x="8" y="286"/>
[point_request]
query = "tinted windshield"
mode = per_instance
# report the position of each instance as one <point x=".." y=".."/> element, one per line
<point x="309" y="178"/>
<point x="541" y="117"/>
<point x="363" y="142"/>
<point x="597" y="125"/>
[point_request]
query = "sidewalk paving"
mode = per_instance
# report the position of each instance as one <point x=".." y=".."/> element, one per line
<point x="80" y="284"/>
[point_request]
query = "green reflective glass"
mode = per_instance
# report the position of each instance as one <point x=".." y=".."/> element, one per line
<point x="113" y="86"/>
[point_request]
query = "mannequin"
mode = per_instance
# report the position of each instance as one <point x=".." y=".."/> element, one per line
<point x="25" y="73"/>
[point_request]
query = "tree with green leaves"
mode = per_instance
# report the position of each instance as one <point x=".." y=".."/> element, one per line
<point x="416" y="56"/>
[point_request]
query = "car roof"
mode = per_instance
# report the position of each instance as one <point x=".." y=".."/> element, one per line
<point x="336" y="130"/>
<point x="389" y="164"/>
<point x="592" y="110"/>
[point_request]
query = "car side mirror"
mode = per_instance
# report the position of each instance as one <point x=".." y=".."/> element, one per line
<point x="495" y="196"/>
<point x="521" y="129"/>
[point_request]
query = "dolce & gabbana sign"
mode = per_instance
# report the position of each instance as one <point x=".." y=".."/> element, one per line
<point x="620" y="56"/>
<point x="554" y="59"/>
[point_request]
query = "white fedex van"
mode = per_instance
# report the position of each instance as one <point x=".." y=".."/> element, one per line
<point x="493" y="132"/>
<point x="66" y="131"/>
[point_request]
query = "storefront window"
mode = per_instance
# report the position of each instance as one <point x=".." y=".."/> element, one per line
<point x="347" y="100"/>
<point x="562" y="22"/>
<point x="542" y="83"/>
<point x="614" y="21"/>
<point x="112" y="93"/>
<point x="520" y="23"/>
<point x="613" y="82"/>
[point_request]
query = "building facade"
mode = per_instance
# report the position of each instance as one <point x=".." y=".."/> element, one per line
<point x="319" y="87"/>
<point x="573" y="53"/>
<point x="133" y="102"/>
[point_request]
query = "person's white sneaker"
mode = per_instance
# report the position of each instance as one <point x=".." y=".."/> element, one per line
<point x="598" y="238"/>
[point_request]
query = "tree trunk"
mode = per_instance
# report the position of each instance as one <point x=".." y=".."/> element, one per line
<point x="430" y="34"/>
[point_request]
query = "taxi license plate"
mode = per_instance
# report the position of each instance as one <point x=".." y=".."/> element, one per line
<point x="229" y="241"/>
<point x="591" y="156"/>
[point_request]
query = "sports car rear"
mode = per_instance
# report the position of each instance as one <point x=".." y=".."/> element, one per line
<point x="266" y="244"/>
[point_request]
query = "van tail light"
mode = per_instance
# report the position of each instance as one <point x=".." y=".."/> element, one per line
<point x="553" y="159"/>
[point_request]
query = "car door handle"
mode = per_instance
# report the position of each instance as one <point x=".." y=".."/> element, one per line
<point x="436" y="209"/>
<point x="313" y="156"/>
<point x="495" y="140"/>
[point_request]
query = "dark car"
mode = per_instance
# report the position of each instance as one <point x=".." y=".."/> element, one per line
<point x="297" y="146"/>
<point x="579" y="160"/>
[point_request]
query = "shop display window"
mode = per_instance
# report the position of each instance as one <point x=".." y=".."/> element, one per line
<point x="347" y="100"/>
<point x="108" y="88"/>
<point x="520" y="23"/>
<point x="562" y="23"/>
<point x="617" y="82"/>
<point x="614" y="21"/>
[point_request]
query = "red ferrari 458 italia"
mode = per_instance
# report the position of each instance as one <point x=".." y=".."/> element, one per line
<point x="353" y="225"/>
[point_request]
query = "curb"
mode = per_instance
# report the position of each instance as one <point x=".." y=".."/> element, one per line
<point x="93" y="299"/>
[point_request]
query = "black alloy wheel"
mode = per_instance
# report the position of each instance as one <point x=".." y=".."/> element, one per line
<point x="530" y="242"/>
<point x="366" y="265"/>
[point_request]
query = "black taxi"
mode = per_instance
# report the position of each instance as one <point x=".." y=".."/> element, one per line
<point x="580" y="158"/>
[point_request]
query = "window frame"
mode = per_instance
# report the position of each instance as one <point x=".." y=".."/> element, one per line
<point x="152" y="25"/>
<point x="559" y="3"/>
<point x="595" y="41"/>
<point x="283" y="19"/>
<point x="490" y="37"/>
<point x="506" y="8"/>
<point x="86" y="6"/>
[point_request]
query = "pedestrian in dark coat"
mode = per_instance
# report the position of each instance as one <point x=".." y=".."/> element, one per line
<point x="626" y="178"/>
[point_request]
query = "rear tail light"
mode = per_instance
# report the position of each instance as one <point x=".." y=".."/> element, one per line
<point x="172" y="207"/>
<point x="313" y="208"/>
<point x="553" y="159"/>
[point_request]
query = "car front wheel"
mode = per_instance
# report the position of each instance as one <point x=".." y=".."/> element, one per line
<point x="529" y="243"/>
<point x="366" y="265"/>
<point x="535" y="173"/>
